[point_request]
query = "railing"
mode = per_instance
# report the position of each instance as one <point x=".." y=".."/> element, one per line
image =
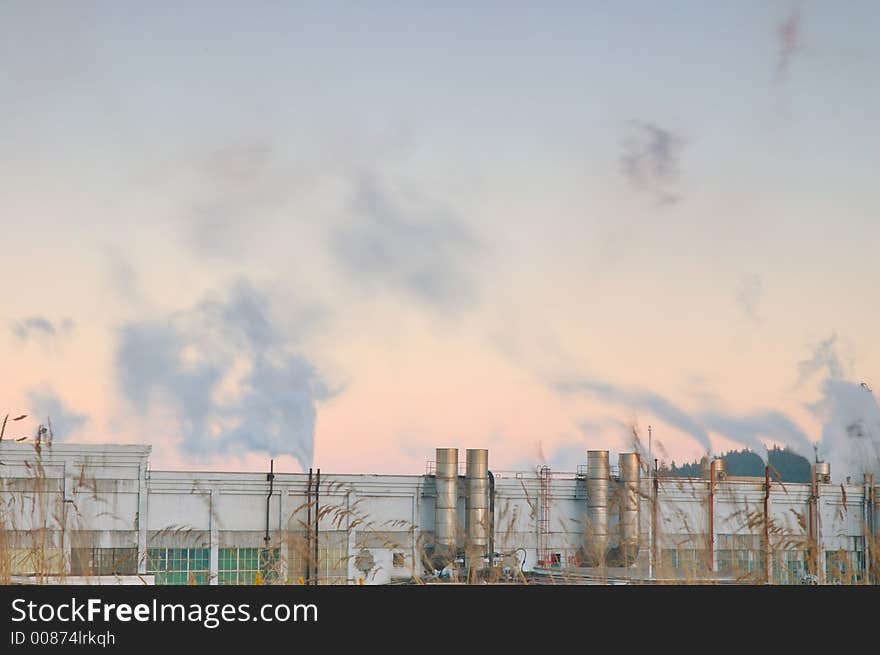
<point x="613" y="471"/>
<point x="431" y="469"/>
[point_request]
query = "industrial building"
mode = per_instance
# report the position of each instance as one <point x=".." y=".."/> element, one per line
<point x="99" y="512"/>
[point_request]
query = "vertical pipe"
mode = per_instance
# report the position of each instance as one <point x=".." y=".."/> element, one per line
<point x="711" y="510"/>
<point x="317" y="522"/>
<point x="308" y="554"/>
<point x="271" y="478"/>
<point x="656" y="485"/>
<point x="869" y="526"/>
<point x="767" y="524"/>
<point x="491" y="520"/>
<point x="812" y="560"/>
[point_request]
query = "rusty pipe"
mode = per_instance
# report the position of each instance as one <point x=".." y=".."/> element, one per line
<point x="712" y="516"/>
<point x="767" y="524"/>
<point x="654" y="518"/>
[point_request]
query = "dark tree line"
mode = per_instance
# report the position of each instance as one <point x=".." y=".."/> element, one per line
<point x="789" y="466"/>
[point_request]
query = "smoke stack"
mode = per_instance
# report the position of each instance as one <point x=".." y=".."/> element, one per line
<point x="598" y="473"/>
<point x="477" y="500"/>
<point x="628" y="463"/>
<point x="446" y="506"/>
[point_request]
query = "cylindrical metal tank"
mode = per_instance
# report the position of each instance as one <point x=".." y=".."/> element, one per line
<point x="477" y="499"/>
<point x="720" y="468"/>
<point x="446" y="507"/>
<point x="628" y="464"/>
<point x="598" y="474"/>
<point x="823" y="471"/>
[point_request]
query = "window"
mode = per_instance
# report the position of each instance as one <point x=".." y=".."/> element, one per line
<point x="739" y="555"/>
<point x="846" y="565"/>
<point x="332" y="556"/>
<point x="177" y="566"/>
<point x="103" y="561"/>
<point x="789" y="567"/>
<point x="241" y="565"/>
<point x="691" y="562"/>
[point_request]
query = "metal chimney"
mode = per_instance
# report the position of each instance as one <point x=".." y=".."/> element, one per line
<point x="446" y="506"/>
<point x="598" y="474"/>
<point x="477" y="500"/>
<point x="628" y="464"/>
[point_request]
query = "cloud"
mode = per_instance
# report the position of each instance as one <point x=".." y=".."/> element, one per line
<point x="788" y="34"/>
<point x="850" y="419"/>
<point x="749" y="294"/>
<point x="46" y="406"/>
<point x="236" y="199"/>
<point x="824" y="358"/>
<point x="848" y="411"/>
<point x="640" y="399"/>
<point x="750" y="430"/>
<point x="650" y="160"/>
<point x="228" y="374"/>
<point x="40" y="327"/>
<point x="239" y="164"/>
<point x="423" y="255"/>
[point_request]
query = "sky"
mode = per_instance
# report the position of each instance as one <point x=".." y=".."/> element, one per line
<point x="343" y="234"/>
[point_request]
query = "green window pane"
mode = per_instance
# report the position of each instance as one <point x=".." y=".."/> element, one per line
<point x="177" y="578"/>
<point x="226" y="577"/>
<point x="226" y="559"/>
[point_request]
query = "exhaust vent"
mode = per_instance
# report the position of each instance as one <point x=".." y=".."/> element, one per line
<point x="477" y="500"/>
<point x="446" y="506"/>
<point x="598" y="474"/>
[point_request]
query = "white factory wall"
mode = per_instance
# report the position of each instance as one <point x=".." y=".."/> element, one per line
<point x="106" y="497"/>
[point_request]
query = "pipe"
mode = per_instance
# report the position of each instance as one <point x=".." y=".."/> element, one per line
<point x="654" y="515"/>
<point x="308" y="557"/>
<point x="816" y="567"/>
<point x="711" y="511"/>
<point x="491" y="519"/>
<point x="869" y="526"/>
<point x="317" y="521"/>
<point x="271" y="478"/>
<point x="767" y="524"/>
